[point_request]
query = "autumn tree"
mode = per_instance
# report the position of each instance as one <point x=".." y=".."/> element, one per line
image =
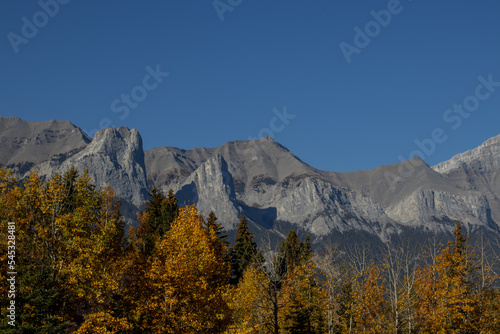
<point x="364" y="308"/>
<point x="69" y="243"/>
<point x="188" y="280"/>
<point x="369" y="308"/>
<point x="154" y="222"/>
<point x="249" y="302"/>
<point x="287" y="301"/>
<point x="447" y="302"/>
<point x="39" y="296"/>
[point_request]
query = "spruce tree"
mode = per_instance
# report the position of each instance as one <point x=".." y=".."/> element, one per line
<point x="243" y="252"/>
<point x="301" y="313"/>
<point x="157" y="217"/>
<point x="219" y="230"/>
<point x="45" y="299"/>
<point x="162" y="210"/>
<point x="293" y="251"/>
<point x="307" y="252"/>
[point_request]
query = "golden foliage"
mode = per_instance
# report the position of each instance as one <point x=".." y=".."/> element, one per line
<point x="72" y="231"/>
<point x="103" y="323"/>
<point x="188" y="280"/>
<point x="251" y="308"/>
<point x="80" y="273"/>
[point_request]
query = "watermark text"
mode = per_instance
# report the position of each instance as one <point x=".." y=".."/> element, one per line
<point x="11" y="274"/>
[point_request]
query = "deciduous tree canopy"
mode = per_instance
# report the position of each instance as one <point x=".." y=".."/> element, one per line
<point x="77" y="272"/>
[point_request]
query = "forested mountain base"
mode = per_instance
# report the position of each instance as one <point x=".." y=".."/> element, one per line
<point x="77" y="271"/>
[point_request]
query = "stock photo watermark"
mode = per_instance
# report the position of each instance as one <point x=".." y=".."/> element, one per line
<point x="30" y="27"/>
<point x="373" y="28"/>
<point x="11" y="274"/>
<point x="453" y="117"/>
<point x="223" y="6"/>
<point x="133" y="98"/>
<point x="276" y="124"/>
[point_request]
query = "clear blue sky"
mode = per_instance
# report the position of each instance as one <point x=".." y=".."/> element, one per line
<point x="227" y="76"/>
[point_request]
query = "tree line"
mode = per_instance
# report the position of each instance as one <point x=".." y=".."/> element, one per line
<point x="79" y="271"/>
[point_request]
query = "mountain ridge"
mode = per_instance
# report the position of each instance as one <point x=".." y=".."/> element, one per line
<point x="263" y="180"/>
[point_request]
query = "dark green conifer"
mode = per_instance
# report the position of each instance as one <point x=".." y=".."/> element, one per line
<point x="293" y="251"/>
<point x="243" y="252"/>
<point x="160" y="213"/>
<point x="219" y="230"/>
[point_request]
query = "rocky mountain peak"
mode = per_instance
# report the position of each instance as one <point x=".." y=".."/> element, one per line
<point x="121" y="143"/>
<point x="28" y="143"/>
<point x="115" y="157"/>
<point x="211" y="188"/>
<point x="477" y="170"/>
<point x="485" y="155"/>
<point x="264" y="181"/>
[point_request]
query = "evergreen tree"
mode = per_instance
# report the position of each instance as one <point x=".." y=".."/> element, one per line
<point x="307" y="252"/>
<point x="39" y="305"/>
<point x="300" y="293"/>
<point x="219" y="230"/>
<point x="294" y="251"/>
<point x="243" y="252"/>
<point x="161" y="210"/>
<point x="156" y="218"/>
<point x="301" y="301"/>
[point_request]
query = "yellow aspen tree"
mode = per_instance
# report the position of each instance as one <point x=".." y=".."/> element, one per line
<point x="448" y="302"/>
<point x="99" y="270"/>
<point x="188" y="280"/>
<point x="135" y="286"/>
<point x="426" y="304"/>
<point x="251" y="309"/>
<point x="156" y="219"/>
<point x="369" y="308"/>
<point x="69" y="238"/>
<point x="9" y="241"/>
<point x="103" y="323"/>
<point x="456" y="303"/>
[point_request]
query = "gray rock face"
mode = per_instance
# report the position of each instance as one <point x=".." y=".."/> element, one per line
<point x="426" y="207"/>
<point x="114" y="157"/>
<point x="248" y="162"/>
<point x="264" y="181"/>
<point x="320" y="207"/>
<point x="24" y="144"/>
<point x="272" y="185"/>
<point x="478" y="170"/>
<point x="210" y="186"/>
<point x="485" y="156"/>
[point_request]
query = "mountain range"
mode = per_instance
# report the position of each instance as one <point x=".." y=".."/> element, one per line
<point x="267" y="183"/>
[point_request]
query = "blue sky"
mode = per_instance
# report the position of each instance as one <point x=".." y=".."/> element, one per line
<point x="250" y="68"/>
